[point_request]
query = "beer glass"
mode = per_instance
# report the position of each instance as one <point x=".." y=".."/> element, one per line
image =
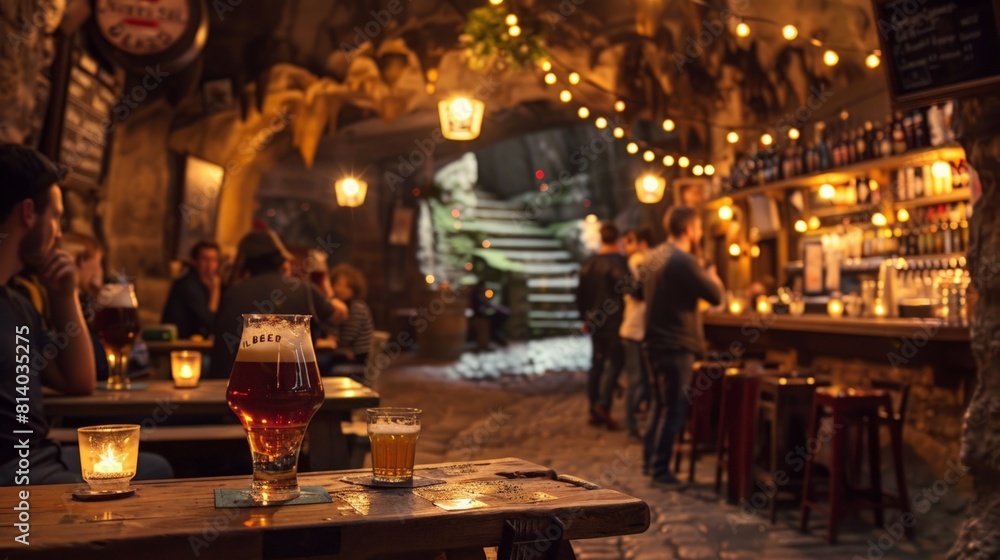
<point x="274" y="389"/>
<point x="393" y="433"/>
<point x="116" y="322"/>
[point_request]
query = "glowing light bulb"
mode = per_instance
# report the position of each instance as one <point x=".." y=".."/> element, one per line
<point x="514" y="31"/>
<point x="801" y="226"/>
<point x="941" y="169"/>
<point x="601" y="122"/>
<point x="619" y="106"/>
<point x="591" y="218"/>
<point x="743" y="30"/>
<point x="873" y="60"/>
<point x="755" y="250"/>
<point x="767" y="139"/>
<point x="698" y="170"/>
<point x="574" y="78"/>
<point x="735" y="250"/>
<point x="726" y="212"/>
<point x="814" y="223"/>
<point x="669" y="125"/>
<point x="827" y="191"/>
<point x="619" y="132"/>
<point x="789" y="32"/>
<point x="429" y="278"/>
<point x="668" y="161"/>
<point x="583" y="112"/>
<point x="794" y="133"/>
<point x="550" y="78"/>
<point x="511" y="19"/>
<point x="496" y="2"/>
<point x="710" y="170"/>
<point x="648" y="155"/>
<point x="565" y="96"/>
<point x="632" y="148"/>
<point x="683" y="161"/>
<point x="878" y="219"/>
<point x="546" y="66"/>
<point x="830" y="58"/>
<point x="902" y="215"/>
<point x="733" y="137"/>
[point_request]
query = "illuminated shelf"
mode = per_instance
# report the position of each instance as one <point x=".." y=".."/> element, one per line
<point x="957" y="195"/>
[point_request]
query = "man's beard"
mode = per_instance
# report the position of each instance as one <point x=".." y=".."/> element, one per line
<point x="33" y="253"/>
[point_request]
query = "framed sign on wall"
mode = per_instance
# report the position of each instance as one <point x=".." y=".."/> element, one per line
<point x="199" y="202"/>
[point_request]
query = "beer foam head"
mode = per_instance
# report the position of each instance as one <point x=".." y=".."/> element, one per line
<point x="117" y="295"/>
<point x="391" y="429"/>
<point x="276" y="338"/>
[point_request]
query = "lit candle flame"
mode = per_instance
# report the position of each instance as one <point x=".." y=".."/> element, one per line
<point x="109" y="462"/>
<point x="186" y="371"/>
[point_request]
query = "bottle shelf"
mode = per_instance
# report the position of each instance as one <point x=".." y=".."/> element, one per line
<point x="843" y="210"/>
<point x="957" y="195"/>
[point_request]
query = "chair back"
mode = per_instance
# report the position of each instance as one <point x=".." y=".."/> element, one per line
<point x="900" y="394"/>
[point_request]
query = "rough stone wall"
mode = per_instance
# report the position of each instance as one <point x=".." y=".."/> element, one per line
<point x="26" y="52"/>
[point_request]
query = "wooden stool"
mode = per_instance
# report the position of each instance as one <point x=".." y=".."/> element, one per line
<point x="702" y="426"/>
<point x="852" y="407"/>
<point x="734" y="450"/>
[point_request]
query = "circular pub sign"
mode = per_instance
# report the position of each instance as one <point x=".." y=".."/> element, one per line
<point x="138" y="33"/>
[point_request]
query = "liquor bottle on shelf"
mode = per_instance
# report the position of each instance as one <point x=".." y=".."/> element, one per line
<point x="885" y="139"/>
<point x="799" y="159"/>
<point x="898" y="134"/>
<point x="909" y="132"/>
<point x="918" y="181"/>
<point x="861" y="144"/>
<point x="920" y="128"/>
<point x="869" y="140"/>
<point x="864" y="192"/>
<point x="822" y="147"/>
<point x="852" y="146"/>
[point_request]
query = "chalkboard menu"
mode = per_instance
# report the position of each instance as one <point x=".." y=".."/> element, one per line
<point x="939" y="49"/>
<point x="90" y="98"/>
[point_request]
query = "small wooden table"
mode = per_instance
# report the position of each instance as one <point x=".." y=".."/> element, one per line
<point x="328" y="444"/>
<point x="177" y="519"/>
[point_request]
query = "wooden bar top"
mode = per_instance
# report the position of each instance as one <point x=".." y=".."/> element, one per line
<point x="209" y="397"/>
<point x="177" y="518"/>
<point x="877" y="327"/>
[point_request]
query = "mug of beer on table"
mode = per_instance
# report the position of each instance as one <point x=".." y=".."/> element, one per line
<point x="393" y="433"/>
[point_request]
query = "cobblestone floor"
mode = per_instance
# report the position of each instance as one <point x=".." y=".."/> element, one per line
<point x="541" y="418"/>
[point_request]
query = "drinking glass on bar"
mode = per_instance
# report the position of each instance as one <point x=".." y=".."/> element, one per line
<point x="274" y="389"/>
<point x="117" y="322"/>
<point x="393" y="433"/>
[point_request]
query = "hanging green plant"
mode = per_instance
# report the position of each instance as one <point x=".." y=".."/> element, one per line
<point x="496" y="39"/>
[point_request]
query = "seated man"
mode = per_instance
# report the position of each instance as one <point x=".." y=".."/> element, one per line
<point x="30" y="209"/>
<point x="194" y="297"/>
<point x="264" y="286"/>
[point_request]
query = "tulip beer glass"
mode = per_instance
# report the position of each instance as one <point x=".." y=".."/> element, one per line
<point x="393" y="433"/>
<point x="117" y="322"/>
<point x="274" y="389"/>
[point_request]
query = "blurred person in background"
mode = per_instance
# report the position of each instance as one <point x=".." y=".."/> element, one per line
<point x="633" y="329"/>
<point x="194" y="297"/>
<point x="354" y="337"/>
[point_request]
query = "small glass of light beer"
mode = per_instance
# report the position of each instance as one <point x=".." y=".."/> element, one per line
<point x="393" y="433"/>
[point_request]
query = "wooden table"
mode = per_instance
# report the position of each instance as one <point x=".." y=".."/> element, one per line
<point x="177" y="519"/>
<point x="328" y="444"/>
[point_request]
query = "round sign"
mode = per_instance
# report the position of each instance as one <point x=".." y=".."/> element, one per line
<point x="142" y="27"/>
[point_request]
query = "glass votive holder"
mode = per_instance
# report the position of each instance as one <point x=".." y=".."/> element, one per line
<point x="108" y="456"/>
<point x="835" y="308"/>
<point x="185" y="366"/>
<point x="764" y="305"/>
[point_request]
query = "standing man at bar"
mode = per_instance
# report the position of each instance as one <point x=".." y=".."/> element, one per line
<point x="600" y="305"/>
<point x="674" y="337"/>
<point x="633" y="329"/>
<point x="194" y="297"/>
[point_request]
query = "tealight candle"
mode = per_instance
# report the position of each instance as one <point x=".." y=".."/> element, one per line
<point x="108" y="456"/>
<point x="835" y="308"/>
<point x="764" y="305"/>
<point x="736" y="307"/>
<point x="185" y="367"/>
<point x="879" y="308"/>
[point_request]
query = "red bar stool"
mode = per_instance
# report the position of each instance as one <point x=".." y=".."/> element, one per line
<point x="702" y="426"/>
<point x="861" y="408"/>
<point x="734" y="450"/>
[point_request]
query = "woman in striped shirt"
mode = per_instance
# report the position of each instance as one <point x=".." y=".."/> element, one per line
<point x="355" y="336"/>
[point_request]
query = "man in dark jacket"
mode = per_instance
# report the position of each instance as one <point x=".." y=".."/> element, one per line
<point x="674" y="337"/>
<point x="194" y="297"/>
<point x="600" y="300"/>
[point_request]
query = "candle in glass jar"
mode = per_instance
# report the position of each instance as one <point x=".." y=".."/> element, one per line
<point x="835" y="308"/>
<point x="186" y="368"/>
<point x="736" y="307"/>
<point x="763" y="305"/>
<point x="879" y="308"/>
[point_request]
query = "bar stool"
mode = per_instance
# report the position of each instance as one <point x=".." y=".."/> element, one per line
<point x="734" y="450"/>
<point x="702" y="426"/>
<point x="861" y="408"/>
<point x="782" y="411"/>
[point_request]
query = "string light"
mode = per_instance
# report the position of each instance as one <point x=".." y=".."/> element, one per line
<point x="710" y="170"/>
<point x="814" y="223"/>
<point x="574" y="78"/>
<point x="511" y="19"/>
<point x="767" y="139"/>
<point x="619" y="132"/>
<point x="878" y="219"/>
<point x="601" y="122"/>
<point x="648" y="155"/>
<point x="632" y="148"/>
<point x="669" y="125"/>
<point x="735" y="250"/>
<point x="902" y="215"/>
<point x="801" y="226"/>
<point x="565" y="96"/>
<point x="546" y="66"/>
<point x="789" y="32"/>
<point x="550" y="78"/>
<point x="683" y="161"/>
<point x="698" y="170"/>
<point x="514" y="31"/>
<point x="583" y="112"/>
<point x="830" y="58"/>
<point x="755" y="250"/>
<point x="873" y="60"/>
<point x="793" y="133"/>
<point x="619" y="106"/>
<point x="827" y="191"/>
<point x="733" y="137"/>
<point x="726" y="212"/>
<point x="668" y="161"/>
<point x="743" y="30"/>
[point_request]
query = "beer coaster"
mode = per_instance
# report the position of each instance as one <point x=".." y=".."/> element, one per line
<point x="240" y="497"/>
<point x="369" y="481"/>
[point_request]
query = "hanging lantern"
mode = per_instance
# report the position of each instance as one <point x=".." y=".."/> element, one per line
<point x="351" y="192"/>
<point x="649" y="188"/>
<point x="461" y="118"/>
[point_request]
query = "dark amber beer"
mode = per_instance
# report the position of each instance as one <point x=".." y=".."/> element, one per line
<point x="116" y="326"/>
<point x="393" y="433"/>
<point x="274" y="389"/>
<point x="117" y="322"/>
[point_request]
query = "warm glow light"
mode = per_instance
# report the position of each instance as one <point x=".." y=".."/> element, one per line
<point x="109" y="462"/>
<point x="461" y="118"/>
<point x="830" y="58"/>
<point x="669" y="125"/>
<point x="698" y="170"/>
<point x="619" y="105"/>
<point x="496" y="2"/>
<point x="755" y="250"/>
<point x="735" y="307"/>
<point x="583" y="112"/>
<point x="766" y="139"/>
<point x="456" y="213"/>
<point x="793" y="133"/>
<point x="511" y="19"/>
<point x="565" y="96"/>
<point x="735" y="250"/>
<point x="618" y="132"/>
<point x="429" y="278"/>
<point x="835" y="308"/>
<point x="486" y="243"/>
<point x="879" y="309"/>
<point x="489" y="294"/>
<point x="683" y="161"/>
<point x="801" y="226"/>
<point x="514" y="31"/>
<point x="430" y="89"/>
<point x="873" y="185"/>
<point x="902" y="215"/>
<point x="743" y="30"/>
<point x="764" y="306"/>
<point x="827" y="191"/>
<point x="941" y="169"/>
<point x="668" y="161"/>
<point x="574" y="78"/>
<point x="733" y="137"/>
<point x="649" y="188"/>
<point x="591" y="218"/>
<point x="873" y="60"/>
<point x="814" y="223"/>
<point x="726" y="212"/>
<point x="185" y="368"/>
<point x="546" y="66"/>
<point x="632" y="148"/>
<point x="789" y="32"/>
<point x="648" y="155"/>
<point x="879" y="220"/>
<point x="710" y="170"/>
<point x="550" y="78"/>
<point x="601" y="122"/>
<point x="350" y="192"/>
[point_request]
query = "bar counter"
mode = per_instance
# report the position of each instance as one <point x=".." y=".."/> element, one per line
<point x="884" y="327"/>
